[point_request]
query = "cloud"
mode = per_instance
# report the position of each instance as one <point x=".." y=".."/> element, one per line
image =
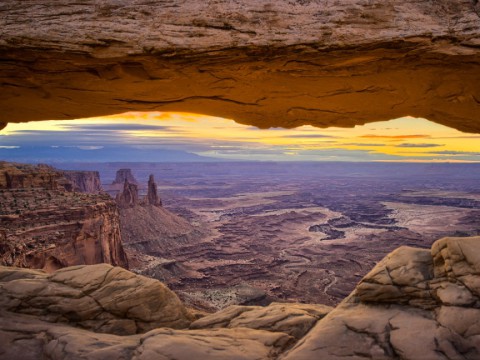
<point x="424" y="145"/>
<point x="461" y="137"/>
<point x="308" y="136"/>
<point x="115" y="127"/>
<point x="454" y="153"/>
<point x="416" y="136"/>
<point x="90" y="147"/>
<point x="364" y="144"/>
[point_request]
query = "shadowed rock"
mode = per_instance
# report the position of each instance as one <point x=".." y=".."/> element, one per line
<point x="415" y="304"/>
<point x="152" y="195"/>
<point x="124" y="174"/>
<point x="129" y="196"/>
<point x="84" y="181"/>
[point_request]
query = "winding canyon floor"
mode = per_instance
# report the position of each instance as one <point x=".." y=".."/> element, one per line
<point x="304" y="232"/>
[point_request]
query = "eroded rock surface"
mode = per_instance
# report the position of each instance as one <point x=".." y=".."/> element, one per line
<point x="84" y="181"/>
<point x="275" y="63"/>
<point x="99" y="297"/>
<point x="152" y="193"/>
<point x="415" y="304"/>
<point x="128" y="197"/>
<point x="124" y="174"/>
<point x="44" y="226"/>
<point x="433" y="313"/>
<point x="293" y="319"/>
<point x="25" y="338"/>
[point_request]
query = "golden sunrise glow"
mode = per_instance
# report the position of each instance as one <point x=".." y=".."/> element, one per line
<point x="403" y="139"/>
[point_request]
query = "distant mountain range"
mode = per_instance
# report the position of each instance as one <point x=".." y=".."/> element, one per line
<point x="48" y="154"/>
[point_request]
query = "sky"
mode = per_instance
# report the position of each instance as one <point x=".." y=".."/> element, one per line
<point x="163" y="136"/>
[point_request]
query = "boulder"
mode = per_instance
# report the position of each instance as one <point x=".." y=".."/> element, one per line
<point x="99" y="297"/>
<point x="415" y="304"/>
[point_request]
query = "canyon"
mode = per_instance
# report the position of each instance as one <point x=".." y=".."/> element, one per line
<point x="246" y="238"/>
<point x="252" y="233"/>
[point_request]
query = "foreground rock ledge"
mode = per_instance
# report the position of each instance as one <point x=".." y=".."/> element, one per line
<point x="282" y="63"/>
<point x="415" y="304"/>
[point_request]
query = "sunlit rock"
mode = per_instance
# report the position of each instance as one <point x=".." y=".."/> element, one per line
<point x="282" y="63"/>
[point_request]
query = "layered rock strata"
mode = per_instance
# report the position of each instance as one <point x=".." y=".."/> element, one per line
<point x="84" y="181"/>
<point x="294" y="319"/>
<point x="99" y="298"/>
<point x="25" y="176"/>
<point x="44" y="226"/>
<point x="283" y="63"/>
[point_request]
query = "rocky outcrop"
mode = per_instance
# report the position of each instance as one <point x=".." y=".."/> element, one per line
<point x="345" y="62"/>
<point x="44" y="226"/>
<point x="123" y="175"/>
<point x="152" y="194"/>
<point x="25" y="176"/>
<point x="415" y="304"/>
<point x="100" y="298"/>
<point x="84" y="181"/>
<point x="154" y="230"/>
<point x="149" y="230"/>
<point x="293" y="319"/>
<point x="111" y="301"/>
<point x="26" y="338"/>
<point x="128" y="197"/>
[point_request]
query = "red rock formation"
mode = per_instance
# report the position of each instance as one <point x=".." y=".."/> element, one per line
<point x="124" y="174"/>
<point x="84" y="181"/>
<point x="345" y="62"/>
<point x="23" y="176"/>
<point x="45" y="226"/>
<point x="129" y="196"/>
<point x="152" y="194"/>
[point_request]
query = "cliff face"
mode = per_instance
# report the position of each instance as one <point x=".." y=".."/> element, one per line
<point x="84" y="181"/>
<point x="24" y="176"/>
<point x="265" y="63"/>
<point x="152" y="192"/>
<point x="50" y="228"/>
<point x="149" y="230"/>
<point x="415" y="304"/>
<point x="124" y="174"/>
<point x="128" y="197"/>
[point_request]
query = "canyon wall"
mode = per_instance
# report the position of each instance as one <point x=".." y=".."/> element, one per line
<point x="84" y="181"/>
<point x="44" y="226"/>
<point x="269" y="63"/>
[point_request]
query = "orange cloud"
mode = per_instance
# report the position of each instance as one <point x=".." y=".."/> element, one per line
<point x="399" y="137"/>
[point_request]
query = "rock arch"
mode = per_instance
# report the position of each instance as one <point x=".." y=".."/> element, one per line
<point x="283" y="63"/>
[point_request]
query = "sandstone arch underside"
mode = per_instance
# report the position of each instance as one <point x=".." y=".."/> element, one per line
<point x="264" y="63"/>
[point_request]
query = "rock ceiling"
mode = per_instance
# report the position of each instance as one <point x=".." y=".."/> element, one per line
<point x="264" y="63"/>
